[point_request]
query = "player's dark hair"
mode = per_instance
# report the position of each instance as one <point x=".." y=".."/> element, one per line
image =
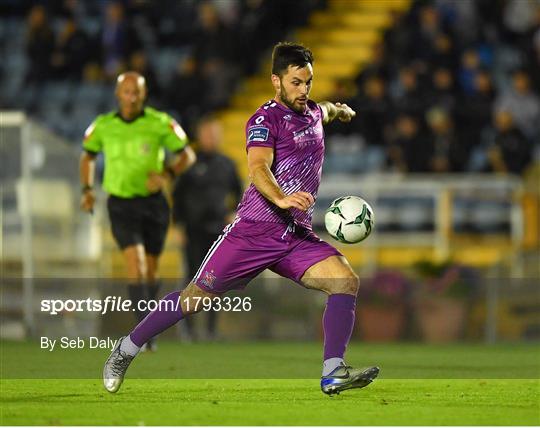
<point x="286" y="53"/>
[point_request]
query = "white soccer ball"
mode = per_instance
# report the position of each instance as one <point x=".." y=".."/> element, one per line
<point x="349" y="219"/>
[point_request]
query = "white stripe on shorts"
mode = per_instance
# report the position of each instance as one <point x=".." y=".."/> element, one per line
<point x="214" y="247"/>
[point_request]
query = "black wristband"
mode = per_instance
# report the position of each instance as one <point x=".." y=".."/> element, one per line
<point x="86" y="188"/>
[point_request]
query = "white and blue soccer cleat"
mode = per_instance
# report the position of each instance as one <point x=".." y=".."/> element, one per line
<point x="115" y="368"/>
<point x="345" y="377"/>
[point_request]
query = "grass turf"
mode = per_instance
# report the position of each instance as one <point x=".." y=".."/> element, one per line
<point x="419" y="385"/>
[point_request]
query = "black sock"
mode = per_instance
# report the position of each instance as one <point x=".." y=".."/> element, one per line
<point x="137" y="293"/>
<point x="153" y="290"/>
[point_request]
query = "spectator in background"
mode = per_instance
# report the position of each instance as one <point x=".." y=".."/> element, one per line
<point x="218" y="81"/>
<point x="379" y="65"/>
<point x="203" y="201"/>
<point x="443" y="55"/>
<point x="407" y="97"/>
<point x="426" y="33"/>
<point x="39" y="45"/>
<point x="519" y="18"/>
<point x="442" y="91"/>
<point x="119" y="40"/>
<point x="184" y="90"/>
<point x="461" y="18"/>
<point x="470" y="65"/>
<point x="409" y="149"/>
<point x="138" y="61"/>
<point x="70" y="54"/>
<point x="212" y="38"/>
<point x="372" y="107"/>
<point x="256" y="14"/>
<point x="522" y="104"/>
<point x="474" y="112"/>
<point x="511" y="152"/>
<point x="449" y="152"/>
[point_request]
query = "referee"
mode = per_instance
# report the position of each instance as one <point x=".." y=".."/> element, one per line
<point x="133" y="141"/>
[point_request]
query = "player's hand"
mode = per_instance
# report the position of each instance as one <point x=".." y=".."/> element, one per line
<point x="155" y="182"/>
<point x="299" y="200"/>
<point x="87" y="200"/>
<point x="344" y="113"/>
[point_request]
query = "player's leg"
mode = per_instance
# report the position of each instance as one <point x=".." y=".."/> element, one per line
<point x="152" y="278"/>
<point x="154" y="227"/>
<point x="230" y="263"/>
<point x="194" y="254"/>
<point x="152" y="286"/>
<point x="125" y="218"/>
<point x="317" y="265"/>
<point x="335" y="277"/>
<point x="171" y="309"/>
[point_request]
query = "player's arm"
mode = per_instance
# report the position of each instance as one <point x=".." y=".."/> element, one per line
<point x="92" y="146"/>
<point x="87" y="164"/>
<point x="180" y="162"/>
<point x="260" y="160"/>
<point x="338" y="111"/>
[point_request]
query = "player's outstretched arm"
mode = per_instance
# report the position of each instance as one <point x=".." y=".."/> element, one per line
<point x="333" y="111"/>
<point x="259" y="162"/>
<point x="86" y="174"/>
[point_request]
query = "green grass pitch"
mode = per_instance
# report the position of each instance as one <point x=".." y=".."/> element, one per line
<point x="267" y="383"/>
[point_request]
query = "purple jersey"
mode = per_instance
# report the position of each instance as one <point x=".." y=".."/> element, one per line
<point x="298" y="143"/>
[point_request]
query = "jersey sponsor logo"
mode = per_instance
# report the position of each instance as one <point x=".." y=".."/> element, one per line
<point x="287" y="117"/>
<point x="258" y="134"/>
<point x="259" y="119"/>
<point x="178" y="129"/>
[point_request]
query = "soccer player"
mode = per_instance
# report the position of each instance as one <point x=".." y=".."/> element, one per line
<point x="272" y="230"/>
<point x="133" y="140"/>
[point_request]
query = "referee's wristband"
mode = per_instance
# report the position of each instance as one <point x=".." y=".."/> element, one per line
<point x="86" y="188"/>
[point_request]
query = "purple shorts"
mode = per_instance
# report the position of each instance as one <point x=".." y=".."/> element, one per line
<point x="246" y="248"/>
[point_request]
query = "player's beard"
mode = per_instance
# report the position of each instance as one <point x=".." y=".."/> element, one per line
<point x="288" y="102"/>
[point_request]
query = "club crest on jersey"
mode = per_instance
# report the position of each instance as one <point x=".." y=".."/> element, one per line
<point x="258" y="134"/>
<point x="208" y="279"/>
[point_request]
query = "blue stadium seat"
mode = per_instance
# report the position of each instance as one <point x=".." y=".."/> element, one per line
<point x="490" y="216"/>
<point x="57" y="93"/>
<point x="415" y="214"/>
<point x="81" y="117"/>
<point x="91" y="93"/>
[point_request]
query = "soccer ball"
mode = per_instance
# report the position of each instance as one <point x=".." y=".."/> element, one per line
<point x="349" y="219"/>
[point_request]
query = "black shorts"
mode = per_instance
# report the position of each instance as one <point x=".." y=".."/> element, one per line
<point x="140" y="220"/>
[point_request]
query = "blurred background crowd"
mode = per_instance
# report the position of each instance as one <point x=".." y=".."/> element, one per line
<point x="452" y="86"/>
<point x="63" y="55"/>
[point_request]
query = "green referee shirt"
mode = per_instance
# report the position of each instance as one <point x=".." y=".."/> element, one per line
<point x="133" y="149"/>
